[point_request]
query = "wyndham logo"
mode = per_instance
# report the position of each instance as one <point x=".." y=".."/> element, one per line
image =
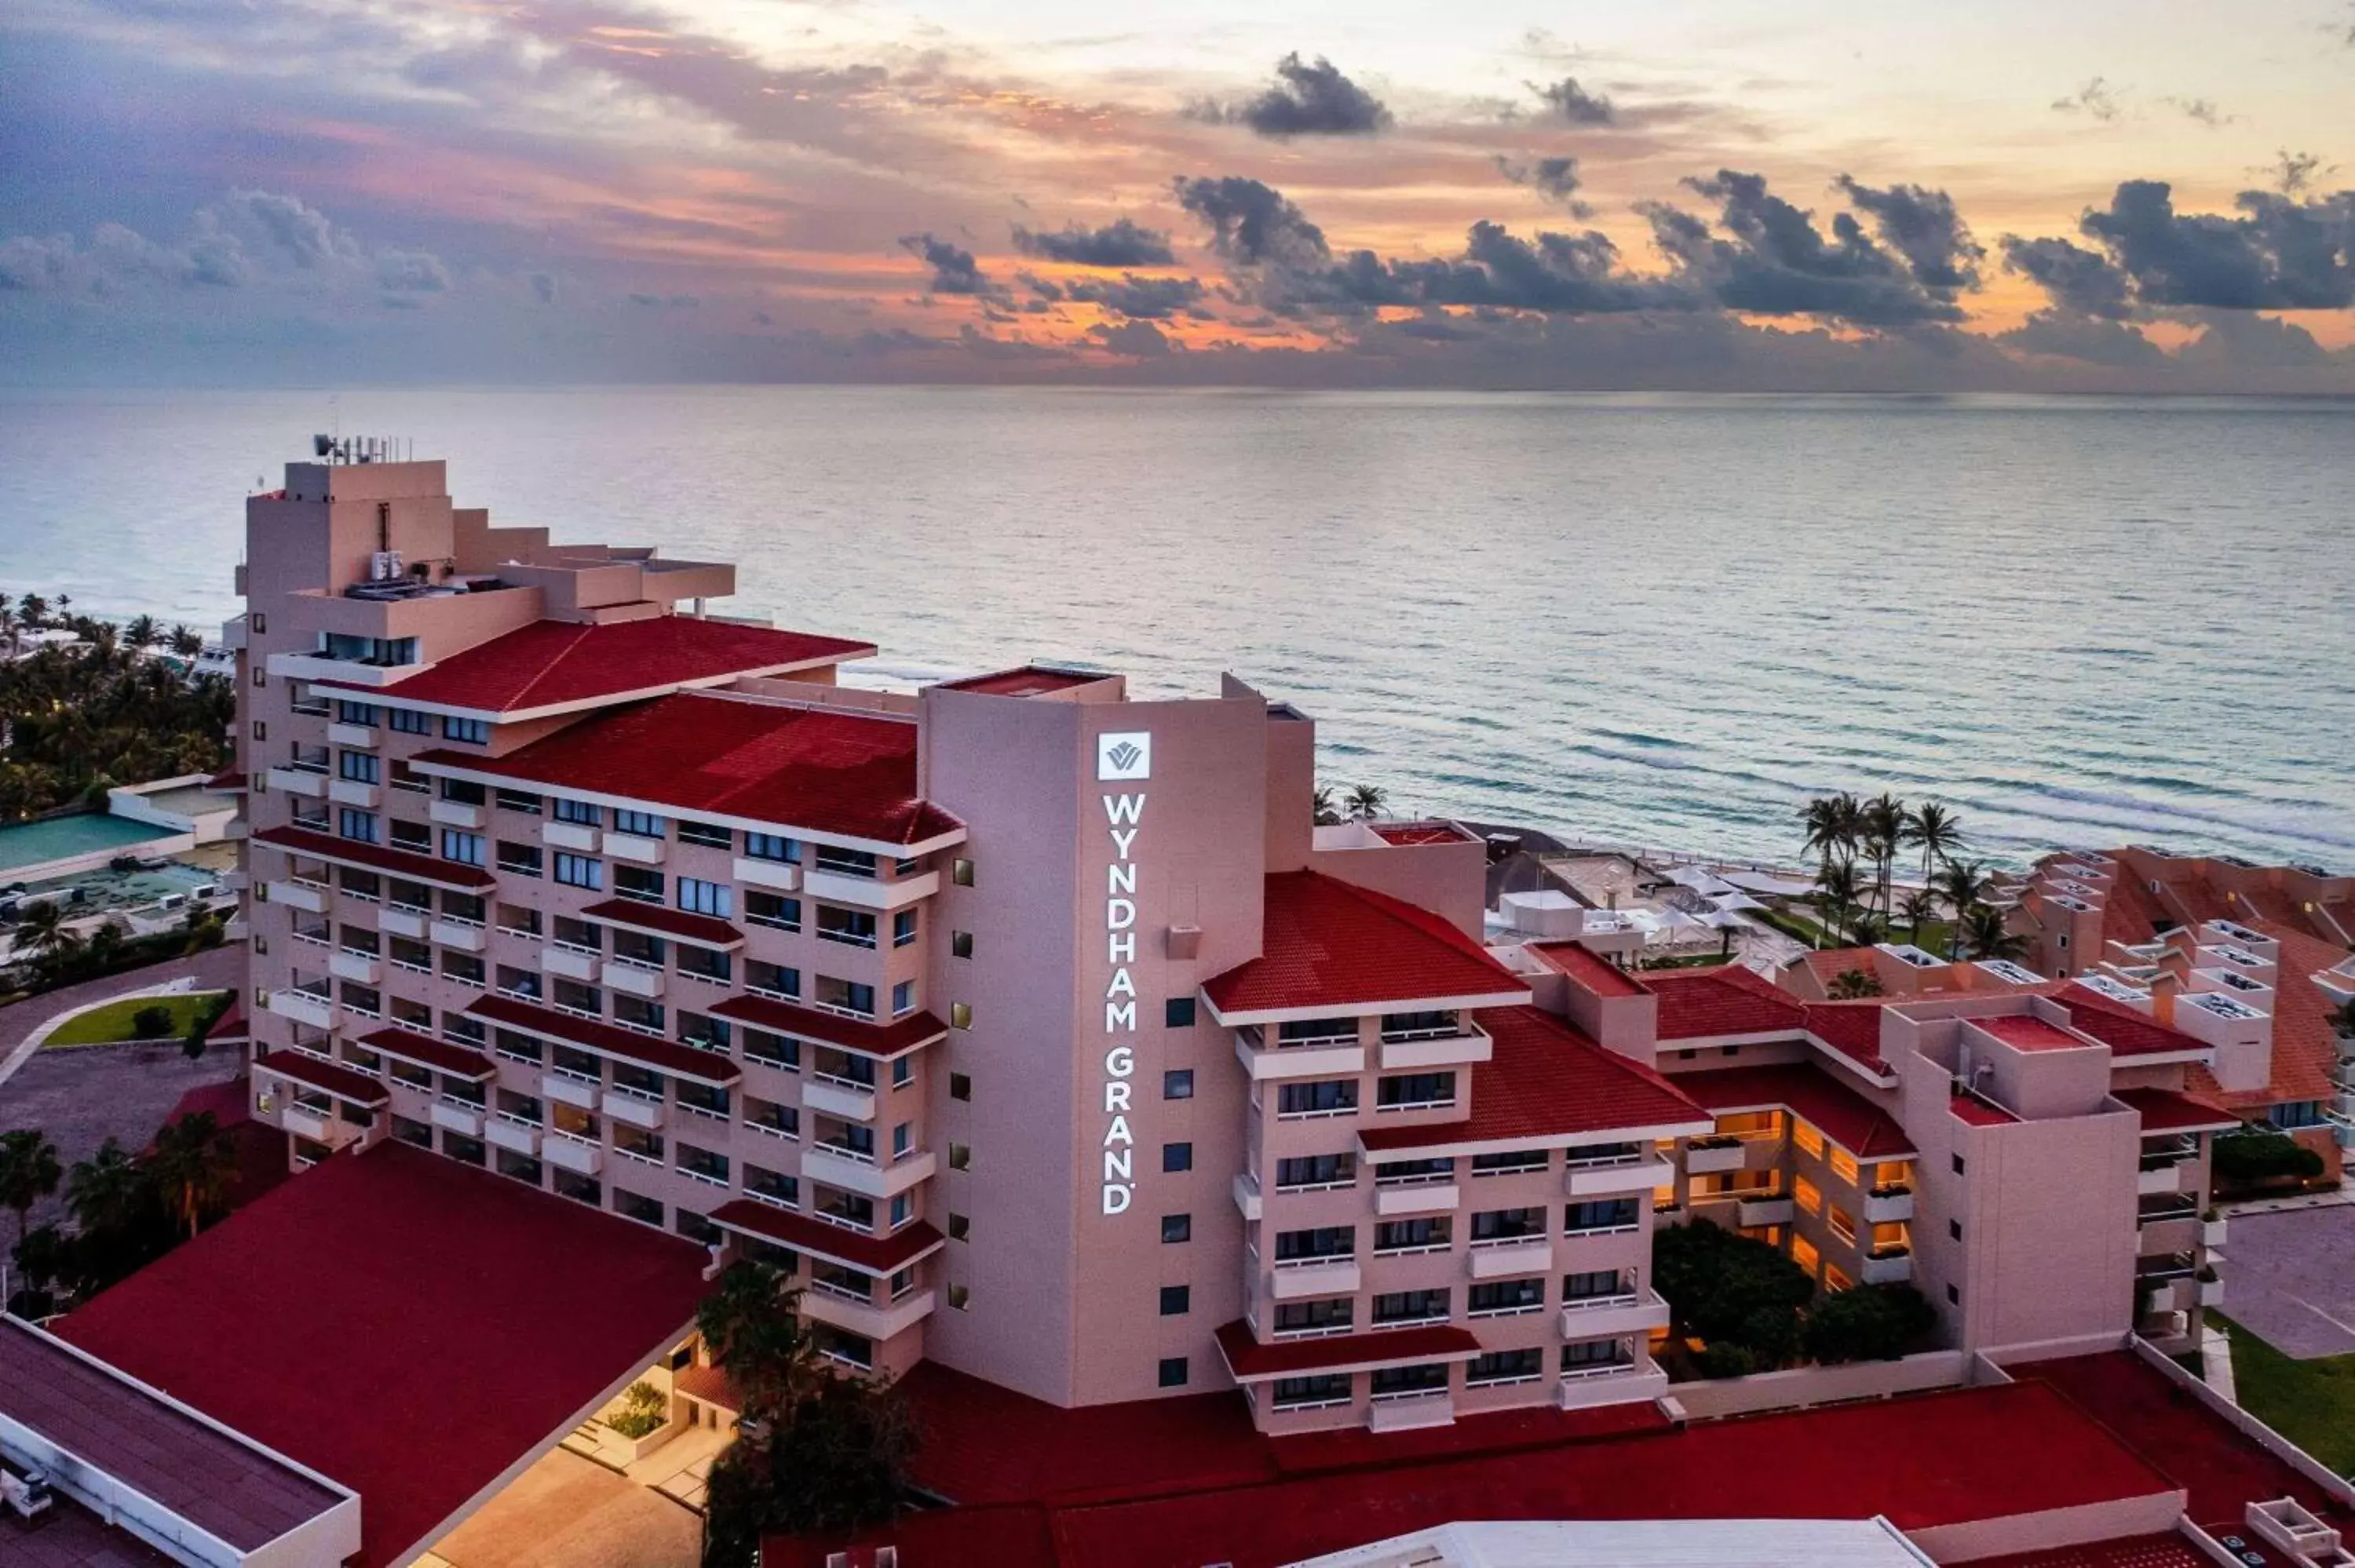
<point x="1124" y="755"/>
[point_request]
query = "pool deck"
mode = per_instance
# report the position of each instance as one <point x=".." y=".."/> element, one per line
<point x="27" y="848"/>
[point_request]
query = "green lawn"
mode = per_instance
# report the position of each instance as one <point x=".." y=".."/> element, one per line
<point x="2311" y="1403"/>
<point x="105" y="1025"/>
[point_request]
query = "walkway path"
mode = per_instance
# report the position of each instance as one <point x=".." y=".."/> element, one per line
<point x="215" y="969"/>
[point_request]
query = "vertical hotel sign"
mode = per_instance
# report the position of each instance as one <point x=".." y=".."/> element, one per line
<point x="1122" y="756"/>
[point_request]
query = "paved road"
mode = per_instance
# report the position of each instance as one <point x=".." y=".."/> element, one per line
<point x="215" y="969"/>
<point x="2290" y="1275"/>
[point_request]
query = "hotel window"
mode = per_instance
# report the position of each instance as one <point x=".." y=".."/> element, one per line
<point x="773" y="846"/>
<point x="845" y="862"/>
<point x="415" y="837"/>
<point x="1318" y="1097"/>
<point x="1806" y="1138"/>
<point x="636" y="1012"/>
<point x="707" y="836"/>
<point x="1602" y="1215"/>
<point x="961" y="873"/>
<point x="636" y="881"/>
<point x="579" y="1189"/>
<point x="960" y="1157"/>
<point x="1594" y="1285"/>
<point x="1329" y="1315"/>
<point x="466" y="1150"/>
<point x="697" y="896"/>
<point x="408" y="721"/>
<point x="903" y="1138"/>
<point x="1425" y="1233"/>
<point x="519" y="860"/>
<point x="771" y="909"/>
<point x="1173" y="1371"/>
<point x="359" y="767"/>
<point x="1584" y="1353"/>
<point x="1412" y="1307"/>
<point x="467" y="849"/>
<point x="467" y="969"/>
<point x="518" y="801"/>
<point x="464" y="791"/>
<point x="363" y="884"/>
<point x="706" y="1035"/>
<point x="1808" y="1196"/>
<point x="1804" y="1253"/>
<point x="631" y="1205"/>
<point x="960" y="1087"/>
<point x="1317" y="1171"/>
<point x="852" y="928"/>
<point x="1843" y="1165"/>
<point x="1505" y="1297"/>
<point x="765" y="978"/>
<point x="1835" y="1281"/>
<point x="960" y="943"/>
<point x="1519" y="1163"/>
<point x="578" y="812"/>
<point x="1176" y="1156"/>
<point x="1416" y="1091"/>
<point x="705" y="963"/>
<point x="960" y="1016"/>
<point x="960" y="1227"/>
<point x="474" y="732"/>
<point x="1892" y="1234"/>
<point x="903" y="999"/>
<point x="1317" y="1388"/>
<point x="960" y="1299"/>
<point x="1177" y="1084"/>
<point x="1176" y="1227"/>
<point x="782" y="1052"/>
<point x="1177" y="1012"/>
<point x="1506" y="1366"/>
<point x="640" y="824"/>
<point x="903" y="927"/>
<point x="1177" y="1300"/>
<point x="416" y="955"/>
<point x="1508" y="1224"/>
<point x="903" y="1209"/>
<point x="1429" y="1378"/>
<point x="363" y="714"/>
<point x="360" y="827"/>
<point x="404" y="777"/>
<point x="1841" y="1224"/>
<point x="412" y="1133"/>
<point x="1323" y="1241"/>
<point x="847" y="997"/>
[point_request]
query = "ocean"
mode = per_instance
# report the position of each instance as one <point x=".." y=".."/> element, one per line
<point x="1663" y="620"/>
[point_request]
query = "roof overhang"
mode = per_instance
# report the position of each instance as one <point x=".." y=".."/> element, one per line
<point x="608" y="1041"/>
<point x="888" y="848"/>
<point x="1360" y="1008"/>
<point x="390" y="698"/>
<point x="1445" y="1146"/>
<point x="377" y="859"/>
<point x="1342" y="1354"/>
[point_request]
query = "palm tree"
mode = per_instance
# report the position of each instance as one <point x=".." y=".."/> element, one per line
<point x="192" y="1165"/>
<point x="33" y="610"/>
<point x="1821" y="818"/>
<point x="1918" y="907"/>
<point x="186" y="642"/>
<point x="29" y="1172"/>
<point x="1854" y="985"/>
<point x="1882" y="821"/>
<point x="1964" y="884"/>
<point x="1835" y="895"/>
<point x="42" y="932"/>
<point x="1328" y="814"/>
<point x="1936" y="831"/>
<point x="750" y="1326"/>
<point x="109" y="1192"/>
<point x="10" y="627"/>
<point x="1366" y="802"/>
<point x="1989" y="939"/>
<point x="143" y="632"/>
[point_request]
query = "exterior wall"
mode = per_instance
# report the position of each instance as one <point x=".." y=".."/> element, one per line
<point x="1448" y="879"/>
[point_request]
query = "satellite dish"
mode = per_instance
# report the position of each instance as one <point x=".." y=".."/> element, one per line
<point x="321" y="445"/>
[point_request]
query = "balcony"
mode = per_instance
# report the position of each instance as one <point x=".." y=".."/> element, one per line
<point x="1302" y="1279"/>
<point x="1752" y="1212"/>
<point x="306" y="1123"/>
<point x="839" y="1096"/>
<point x="1887" y="1205"/>
<point x="358" y="737"/>
<point x="581" y="1095"/>
<point x="355" y="792"/>
<point x="1428" y="1198"/>
<point x="463" y="935"/>
<point x="772" y="873"/>
<point x="513" y="1134"/>
<point x="634" y="847"/>
<point x="304" y="896"/>
<point x="870" y="893"/>
<point x="2212" y="1232"/>
<point x="2212" y="1292"/>
<point x="2173" y="1176"/>
<point x="395" y="921"/>
<point x="569" y="963"/>
<point x="456" y="814"/>
<point x="567" y="1152"/>
<point x="1506" y="1259"/>
<point x="1436" y="1048"/>
<point x="1602" y="1317"/>
<point x="1246" y="1191"/>
<point x="632" y="1109"/>
<point x="631" y="980"/>
<point x="299" y="782"/>
<point x="1609" y="1383"/>
<point x="348" y="672"/>
<point x="874" y="1322"/>
<point x="1888" y="1265"/>
<point x="838" y="1165"/>
<point x="364" y="968"/>
<point x="311" y="1007"/>
<point x="1601" y="1178"/>
<point x="457" y="1117"/>
<point x="1336" y="1058"/>
<point x="1406" y="1412"/>
<point x="1713" y="1156"/>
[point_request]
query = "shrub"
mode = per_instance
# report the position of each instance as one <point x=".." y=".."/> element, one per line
<point x="1868" y="1323"/>
<point x="2243" y="1158"/>
<point x="643" y="1410"/>
<point x="1732" y="1292"/>
<point x="152" y="1022"/>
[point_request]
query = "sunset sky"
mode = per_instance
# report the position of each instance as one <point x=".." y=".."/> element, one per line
<point x="1682" y="193"/>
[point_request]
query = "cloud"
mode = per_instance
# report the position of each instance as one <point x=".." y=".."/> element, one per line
<point x="1556" y="179"/>
<point x="1312" y="100"/>
<point x="1574" y="103"/>
<point x="1120" y="243"/>
<point x="2295" y="174"/>
<point x="1252" y="223"/>
<point x="1779" y="263"/>
<point x="2078" y="281"/>
<point x="954" y="270"/>
<point x="2281" y="253"/>
<point x="2203" y="110"/>
<point x="2096" y="99"/>
<point x="666" y="302"/>
<point x="32" y="262"/>
<point x="412" y="272"/>
<point x="2239" y="339"/>
<point x="1923" y="227"/>
<point x="543" y="288"/>
<point x="1571" y="273"/>
<point x="2094" y="340"/>
<point x="300" y="230"/>
<point x="1135" y="297"/>
<point x="1142" y="340"/>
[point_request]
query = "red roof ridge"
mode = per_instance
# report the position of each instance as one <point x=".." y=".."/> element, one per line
<point x="1330" y="943"/>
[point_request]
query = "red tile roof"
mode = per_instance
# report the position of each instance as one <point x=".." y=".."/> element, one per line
<point x="1413" y="835"/>
<point x="608" y="1040"/>
<point x="852" y="1250"/>
<point x="1325" y="943"/>
<point x="2164" y="1110"/>
<point x="1251" y="1361"/>
<point x="711" y="1384"/>
<point x="1729" y="1000"/>
<point x="1545" y="1080"/>
<point x="1976" y="1112"/>
<point x="2306" y="1043"/>
<point x="1850" y="1028"/>
<point x="324" y="1076"/>
<point x="1951" y="1457"/>
<point x="376" y="857"/>
<point x="1587" y="967"/>
<point x="230" y="1025"/>
<point x="832" y="774"/>
<point x="424" y="1051"/>
<point x="896" y="1038"/>
<point x="2125" y="1031"/>
<point x="1029" y="681"/>
<point x="1808" y="1093"/>
<point x="394" y="1277"/>
<point x="1828" y="964"/>
<point x="2025" y="1031"/>
<point x="553" y="663"/>
<point x="637" y="915"/>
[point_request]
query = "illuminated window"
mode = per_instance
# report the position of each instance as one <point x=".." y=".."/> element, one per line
<point x="1808" y="1137"/>
<point x="1891" y="1233"/>
<point x="1804" y="1253"/>
<point x="1835" y="1281"/>
<point x="1893" y="1174"/>
<point x="961" y="871"/>
<point x="1808" y="1198"/>
<point x="1842" y="1225"/>
<point x="960" y="1016"/>
<point x="1844" y="1166"/>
